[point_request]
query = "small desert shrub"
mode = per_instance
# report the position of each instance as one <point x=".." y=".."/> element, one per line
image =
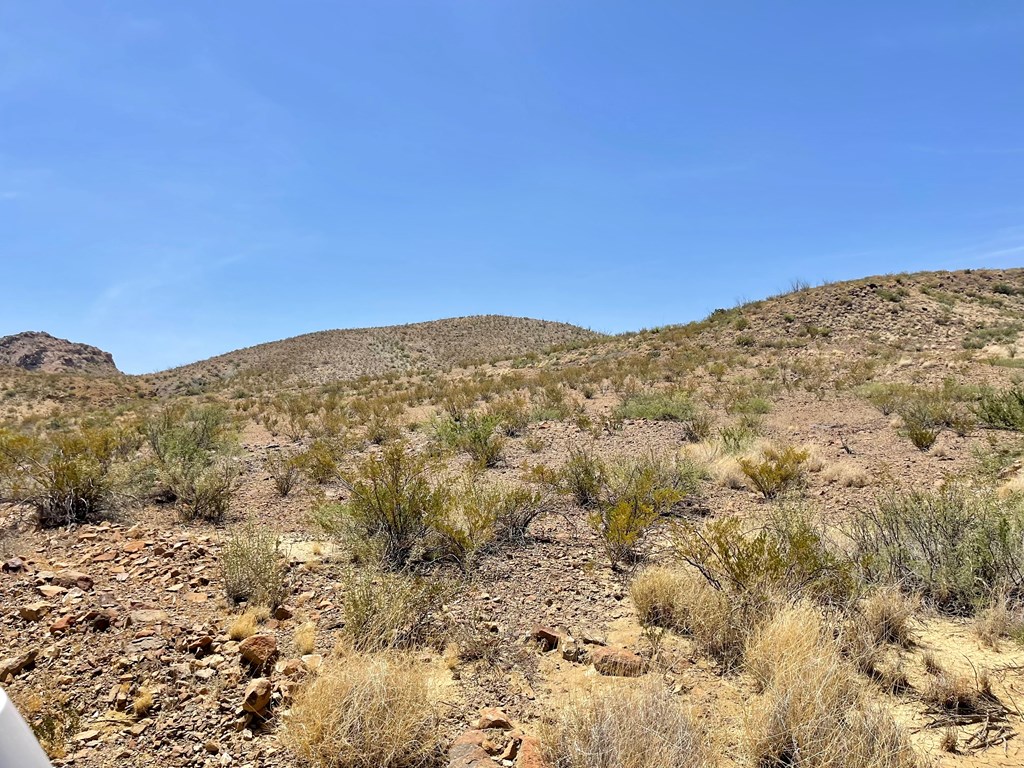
<point x="635" y="727"/>
<point x="283" y="470"/>
<point x="954" y="546"/>
<point x="143" y="702"/>
<point x="366" y="712"/>
<point x="204" y="491"/>
<point x="250" y="563"/>
<point x="66" y="478"/>
<point x="194" y="449"/>
<point x="319" y="462"/>
<point x="393" y="500"/>
<point x="511" y="415"/>
<point x="638" y="493"/>
<point x="811" y="712"/>
<point x="789" y="555"/>
<point x="667" y="406"/>
<point x="958" y="693"/>
<point x="919" y="424"/>
<point x="777" y="470"/>
<point x="475" y="434"/>
<point x="1002" y="410"/>
<point x="391" y="610"/>
<point x="54" y="721"/>
<point x="583" y="477"/>
<point x="735" y="438"/>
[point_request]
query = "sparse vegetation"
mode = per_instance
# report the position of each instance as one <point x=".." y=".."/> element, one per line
<point x="776" y="470"/>
<point x="251" y="567"/>
<point x="366" y="711"/>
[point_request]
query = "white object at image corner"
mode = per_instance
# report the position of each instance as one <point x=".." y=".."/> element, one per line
<point x="18" y="747"/>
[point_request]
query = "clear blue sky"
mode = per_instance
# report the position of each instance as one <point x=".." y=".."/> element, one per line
<point x="178" y="179"/>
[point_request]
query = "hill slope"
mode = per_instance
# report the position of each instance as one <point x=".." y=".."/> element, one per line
<point x="347" y="354"/>
<point x="38" y="351"/>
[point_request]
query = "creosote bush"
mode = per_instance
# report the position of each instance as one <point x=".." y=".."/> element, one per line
<point x="475" y="434"/>
<point x="954" y="546"/>
<point x="283" y="470"/>
<point x="194" y="448"/>
<point x="384" y="609"/>
<point x="366" y="711"/>
<point x="251" y="564"/>
<point x="776" y="470"/>
<point x="66" y="477"/>
<point x="668" y="406"/>
<point x="1002" y="410"/>
<point x="394" y="501"/>
<point x="635" y="727"/>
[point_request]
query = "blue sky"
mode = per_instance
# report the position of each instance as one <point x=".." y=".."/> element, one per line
<point x="178" y="179"/>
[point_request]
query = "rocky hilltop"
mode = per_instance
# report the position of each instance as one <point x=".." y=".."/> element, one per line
<point x="39" y="351"/>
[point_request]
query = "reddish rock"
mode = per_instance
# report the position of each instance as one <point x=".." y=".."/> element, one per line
<point x="473" y="749"/>
<point x="545" y="637"/>
<point x="257" y="696"/>
<point x="260" y="651"/>
<point x="63" y="624"/>
<point x="617" y="661"/>
<point x="530" y="754"/>
<point x="493" y="718"/>
<point x="283" y="613"/>
<point x="69" y="579"/>
<point x="148" y="616"/>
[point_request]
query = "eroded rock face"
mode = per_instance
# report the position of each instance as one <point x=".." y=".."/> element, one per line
<point x="38" y="351"/>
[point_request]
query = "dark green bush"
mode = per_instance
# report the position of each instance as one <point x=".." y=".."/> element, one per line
<point x="1002" y="410"/>
<point x="954" y="546"/>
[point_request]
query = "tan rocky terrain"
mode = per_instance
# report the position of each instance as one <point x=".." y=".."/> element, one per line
<point x="38" y="351"/>
<point x="789" y="534"/>
<point x="349" y="354"/>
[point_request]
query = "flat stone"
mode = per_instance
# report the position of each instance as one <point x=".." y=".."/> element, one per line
<point x="617" y="662"/>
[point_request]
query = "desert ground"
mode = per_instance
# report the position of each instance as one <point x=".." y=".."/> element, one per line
<point x="789" y="534"/>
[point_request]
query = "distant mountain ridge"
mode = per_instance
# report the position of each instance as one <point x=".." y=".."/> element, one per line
<point x="334" y="355"/>
<point x="39" y="351"/>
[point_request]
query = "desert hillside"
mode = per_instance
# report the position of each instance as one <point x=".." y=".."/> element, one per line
<point x="38" y="351"/>
<point x="789" y="534"/>
<point x="328" y="356"/>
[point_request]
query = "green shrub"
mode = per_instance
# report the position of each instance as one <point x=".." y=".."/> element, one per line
<point x="67" y="477"/>
<point x="778" y="470"/>
<point x="1002" y="410"/>
<point x="789" y="556"/>
<point x="583" y="477"/>
<point x="251" y="567"/>
<point x="637" y="494"/>
<point x="194" y="448"/>
<point x="475" y="434"/>
<point x="319" y="462"/>
<point x="953" y="546"/>
<point x="392" y="610"/>
<point x="667" y="406"/>
<point x="283" y="470"/>
<point x="393" y="500"/>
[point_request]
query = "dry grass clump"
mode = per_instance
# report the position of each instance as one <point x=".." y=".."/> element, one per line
<point x="811" y="712"/>
<point x="887" y="616"/>
<point x="846" y="475"/>
<point x="366" y="711"/>
<point x="684" y="601"/>
<point x="633" y="727"/>
<point x="305" y="637"/>
<point x="955" y="693"/>
<point x="143" y="702"/>
<point x="1002" y="620"/>
<point x="244" y="625"/>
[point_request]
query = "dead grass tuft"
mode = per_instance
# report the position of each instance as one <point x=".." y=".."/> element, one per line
<point x="366" y="711"/>
<point x="632" y="727"/>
